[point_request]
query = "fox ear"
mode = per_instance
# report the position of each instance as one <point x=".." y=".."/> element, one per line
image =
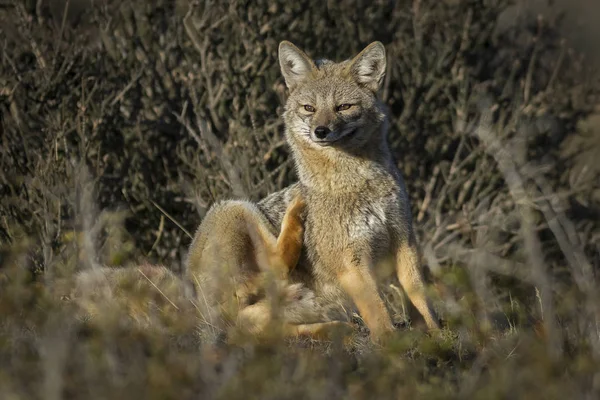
<point x="295" y="64"/>
<point x="264" y="245"/>
<point x="368" y="67"/>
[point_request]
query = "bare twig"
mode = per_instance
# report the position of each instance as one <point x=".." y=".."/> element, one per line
<point x="428" y="193"/>
<point x="62" y="29"/>
<point x="172" y="219"/>
<point x="157" y="288"/>
<point x="532" y="243"/>
<point x="121" y="94"/>
<point x="159" y="233"/>
<point x="488" y="261"/>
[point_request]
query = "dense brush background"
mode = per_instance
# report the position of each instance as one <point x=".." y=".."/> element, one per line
<point x="122" y="122"/>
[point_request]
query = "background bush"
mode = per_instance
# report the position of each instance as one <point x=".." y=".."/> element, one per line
<point x="122" y="122"/>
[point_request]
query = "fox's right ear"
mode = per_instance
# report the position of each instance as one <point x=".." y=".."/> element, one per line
<point x="264" y="245"/>
<point x="368" y="67"/>
<point x="295" y="65"/>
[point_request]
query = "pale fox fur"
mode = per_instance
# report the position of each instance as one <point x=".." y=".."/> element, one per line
<point x="358" y="219"/>
<point x="141" y="296"/>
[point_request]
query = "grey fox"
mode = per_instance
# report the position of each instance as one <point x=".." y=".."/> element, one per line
<point x="358" y="218"/>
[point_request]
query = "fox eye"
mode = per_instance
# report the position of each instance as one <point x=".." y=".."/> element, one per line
<point x="309" y="108"/>
<point x="343" y="107"/>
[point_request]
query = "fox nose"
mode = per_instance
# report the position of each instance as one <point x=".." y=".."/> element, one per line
<point x="321" y="132"/>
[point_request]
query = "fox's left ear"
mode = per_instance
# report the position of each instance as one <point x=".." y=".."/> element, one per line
<point x="368" y="67"/>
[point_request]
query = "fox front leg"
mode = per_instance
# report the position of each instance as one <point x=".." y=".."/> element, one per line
<point x="357" y="281"/>
<point x="411" y="279"/>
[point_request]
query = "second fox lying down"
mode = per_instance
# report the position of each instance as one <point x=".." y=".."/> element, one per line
<point x="242" y="282"/>
<point x="358" y="213"/>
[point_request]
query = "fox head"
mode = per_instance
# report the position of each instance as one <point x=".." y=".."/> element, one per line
<point x="333" y="104"/>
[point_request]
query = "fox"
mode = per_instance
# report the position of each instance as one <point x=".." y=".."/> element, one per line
<point x="239" y="267"/>
<point x="150" y="295"/>
<point x="358" y="223"/>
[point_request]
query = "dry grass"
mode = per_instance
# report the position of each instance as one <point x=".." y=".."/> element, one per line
<point x="122" y="122"/>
